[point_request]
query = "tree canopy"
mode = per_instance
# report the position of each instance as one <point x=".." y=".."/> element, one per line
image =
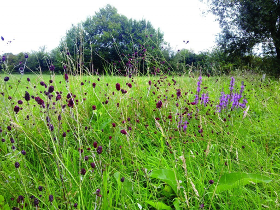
<point x="247" y="23"/>
<point x="109" y="37"/>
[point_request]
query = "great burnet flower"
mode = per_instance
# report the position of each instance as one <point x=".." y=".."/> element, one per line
<point x="118" y="86"/>
<point x="159" y="104"/>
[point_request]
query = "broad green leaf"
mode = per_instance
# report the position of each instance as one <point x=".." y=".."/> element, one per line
<point x="6" y="207"/>
<point x="168" y="191"/>
<point x="167" y="176"/>
<point x="1" y="200"/>
<point x="159" y="205"/>
<point x="177" y="204"/>
<point x="233" y="180"/>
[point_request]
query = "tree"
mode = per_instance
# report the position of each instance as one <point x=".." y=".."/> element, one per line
<point x="108" y="37"/>
<point x="247" y="23"/>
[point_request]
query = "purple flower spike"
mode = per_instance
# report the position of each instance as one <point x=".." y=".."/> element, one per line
<point x="2" y="38"/>
<point x="231" y="87"/>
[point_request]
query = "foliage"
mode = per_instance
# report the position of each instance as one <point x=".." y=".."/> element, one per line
<point x="108" y="37"/>
<point x="246" y="24"/>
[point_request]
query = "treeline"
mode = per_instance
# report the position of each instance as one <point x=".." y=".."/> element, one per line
<point x="109" y="42"/>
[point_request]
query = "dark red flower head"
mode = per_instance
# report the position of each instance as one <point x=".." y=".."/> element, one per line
<point x="123" y="132"/>
<point x="118" y="86"/>
<point x="159" y="104"/>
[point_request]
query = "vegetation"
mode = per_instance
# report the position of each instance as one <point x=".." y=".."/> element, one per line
<point x="145" y="128"/>
<point x="249" y="24"/>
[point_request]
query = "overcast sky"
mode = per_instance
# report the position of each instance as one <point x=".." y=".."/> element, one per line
<point x="30" y="24"/>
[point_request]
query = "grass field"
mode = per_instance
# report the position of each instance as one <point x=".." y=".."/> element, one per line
<point x="163" y="142"/>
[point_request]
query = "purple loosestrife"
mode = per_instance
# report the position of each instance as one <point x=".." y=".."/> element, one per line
<point x="204" y="99"/>
<point x="242" y="88"/>
<point x="231" y="86"/>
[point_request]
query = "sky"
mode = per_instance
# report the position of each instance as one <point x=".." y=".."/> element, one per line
<point x="31" y="24"/>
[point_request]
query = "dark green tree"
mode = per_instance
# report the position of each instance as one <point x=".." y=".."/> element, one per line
<point x="246" y="24"/>
<point x="109" y="37"/>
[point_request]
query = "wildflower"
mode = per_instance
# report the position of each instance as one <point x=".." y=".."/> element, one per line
<point x="52" y="67"/>
<point x="124" y="91"/>
<point x="211" y="181"/>
<point x="2" y="38"/>
<point x="66" y="77"/>
<point x="51" y="89"/>
<point x="40" y="188"/>
<point x="97" y="191"/>
<point x="71" y="103"/>
<point x="83" y="171"/>
<point x="86" y="158"/>
<point x="122" y="179"/>
<point x="58" y="97"/>
<point x="159" y="104"/>
<point x="26" y="55"/>
<point x="28" y="80"/>
<point x="39" y="101"/>
<point x="92" y="165"/>
<point x="16" y="109"/>
<point x="23" y="152"/>
<point x="36" y="201"/>
<point x="118" y="86"/>
<point x="51" y="198"/>
<point x="6" y="79"/>
<point x="129" y="85"/>
<point x="123" y="132"/>
<point x="242" y="88"/>
<point x="3" y="58"/>
<point x="20" y="102"/>
<point x="20" y="199"/>
<point x="99" y="149"/>
<point x="231" y="86"/>
<point x="178" y="93"/>
<point x="75" y="204"/>
<point x="95" y="144"/>
<point x="93" y="85"/>
<point x="114" y="125"/>
<point x="17" y="164"/>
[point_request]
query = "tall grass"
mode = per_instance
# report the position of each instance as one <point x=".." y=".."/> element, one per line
<point x="96" y="147"/>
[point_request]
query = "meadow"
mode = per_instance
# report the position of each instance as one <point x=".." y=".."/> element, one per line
<point x="133" y="142"/>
